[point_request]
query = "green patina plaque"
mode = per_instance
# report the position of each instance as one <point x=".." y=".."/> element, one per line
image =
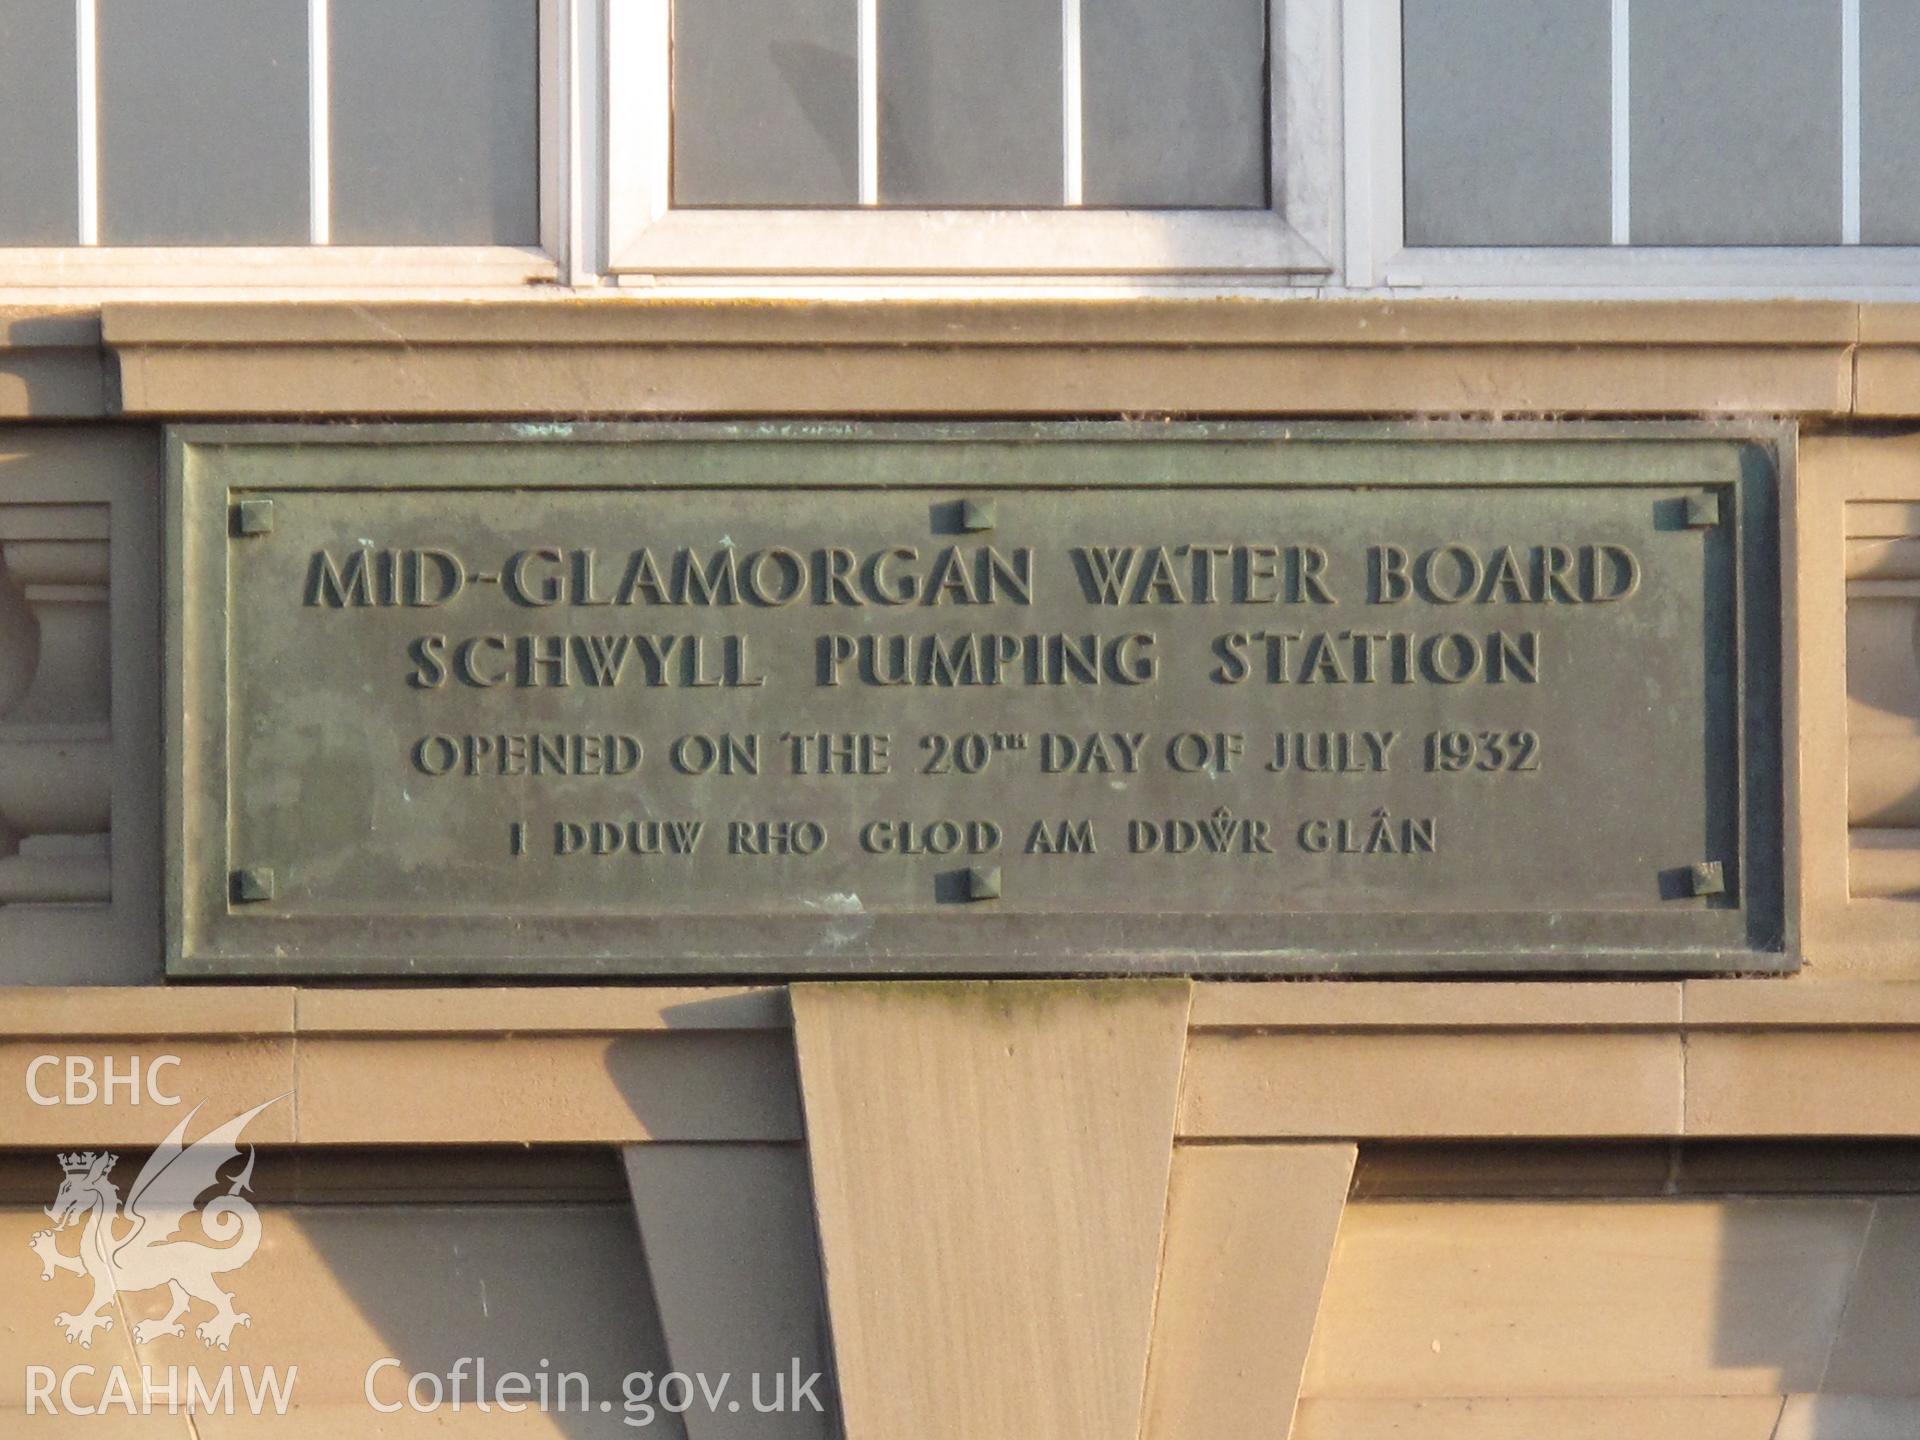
<point x="991" y="699"/>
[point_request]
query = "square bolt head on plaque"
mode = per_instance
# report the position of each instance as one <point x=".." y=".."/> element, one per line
<point x="983" y="882"/>
<point x="253" y="517"/>
<point x="1707" y="878"/>
<point x="976" y="515"/>
<point x="1703" y="511"/>
<point x="253" y="885"/>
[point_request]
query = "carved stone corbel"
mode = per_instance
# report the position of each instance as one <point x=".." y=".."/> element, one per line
<point x="1883" y="691"/>
<point x="56" y="764"/>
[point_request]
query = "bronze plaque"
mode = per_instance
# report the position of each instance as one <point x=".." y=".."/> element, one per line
<point x="810" y="699"/>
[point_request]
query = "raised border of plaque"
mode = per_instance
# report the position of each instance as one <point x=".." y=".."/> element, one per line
<point x="1343" y="500"/>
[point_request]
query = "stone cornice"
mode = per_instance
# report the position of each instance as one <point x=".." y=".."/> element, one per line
<point x="640" y="357"/>
<point x="622" y="355"/>
<point x="1264" y="1061"/>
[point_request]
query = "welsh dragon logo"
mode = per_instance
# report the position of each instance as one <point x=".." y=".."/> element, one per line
<point x="127" y="1250"/>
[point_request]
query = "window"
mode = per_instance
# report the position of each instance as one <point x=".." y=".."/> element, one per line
<point x="1644" y="142"/>
<point x="1530" y="145"/>
<point x="144" y="131"/>
<point x="918" y="137"/>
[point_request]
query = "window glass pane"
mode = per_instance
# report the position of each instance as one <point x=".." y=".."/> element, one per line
<point x="1736" y="122"/>
<point x="970" y="102"/>
<point x="1508" y="107"/>
<point x="766" y="102"/>
<point x="1889" y="122"/>
<point x="1174" y="100"/>
<point x="435" y="122"/>
<point x="203" y="122"/>
<point x="39" y="167"/>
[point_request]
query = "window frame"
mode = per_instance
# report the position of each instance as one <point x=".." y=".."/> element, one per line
<point x="646" y="238"/>
<point x="1378" y="255"/>
<point x="1337" y="224"/>
<point x="319" y="264"/>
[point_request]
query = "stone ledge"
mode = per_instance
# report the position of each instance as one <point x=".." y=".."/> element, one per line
<point x="110" y="1012"/>
<point x="1890" y="324"/>
<point x="618" y="1089"/>
<point x="1225" y="1007"/>
<point x="1086" y="379"/>
<point x="1801" y="1005"/>
<point x="1433" y="1085"/>
<point x="571" y="1010"/>
<point x="1264" y="1061"/>
<point x="1419" y="1005"/>
<point x="630" y="320"/>
<point x="641" y="357"/>
<point x="619" y="354"/>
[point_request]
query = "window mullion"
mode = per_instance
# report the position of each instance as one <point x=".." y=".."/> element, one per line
<point x="1622" y="124"/>
<point x="1849" y="122"/>
<point x="868" y="40"/>
<point x="87" y="92"/>
<point x="1072" y="138"/>
<point x="319" y="124"/>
